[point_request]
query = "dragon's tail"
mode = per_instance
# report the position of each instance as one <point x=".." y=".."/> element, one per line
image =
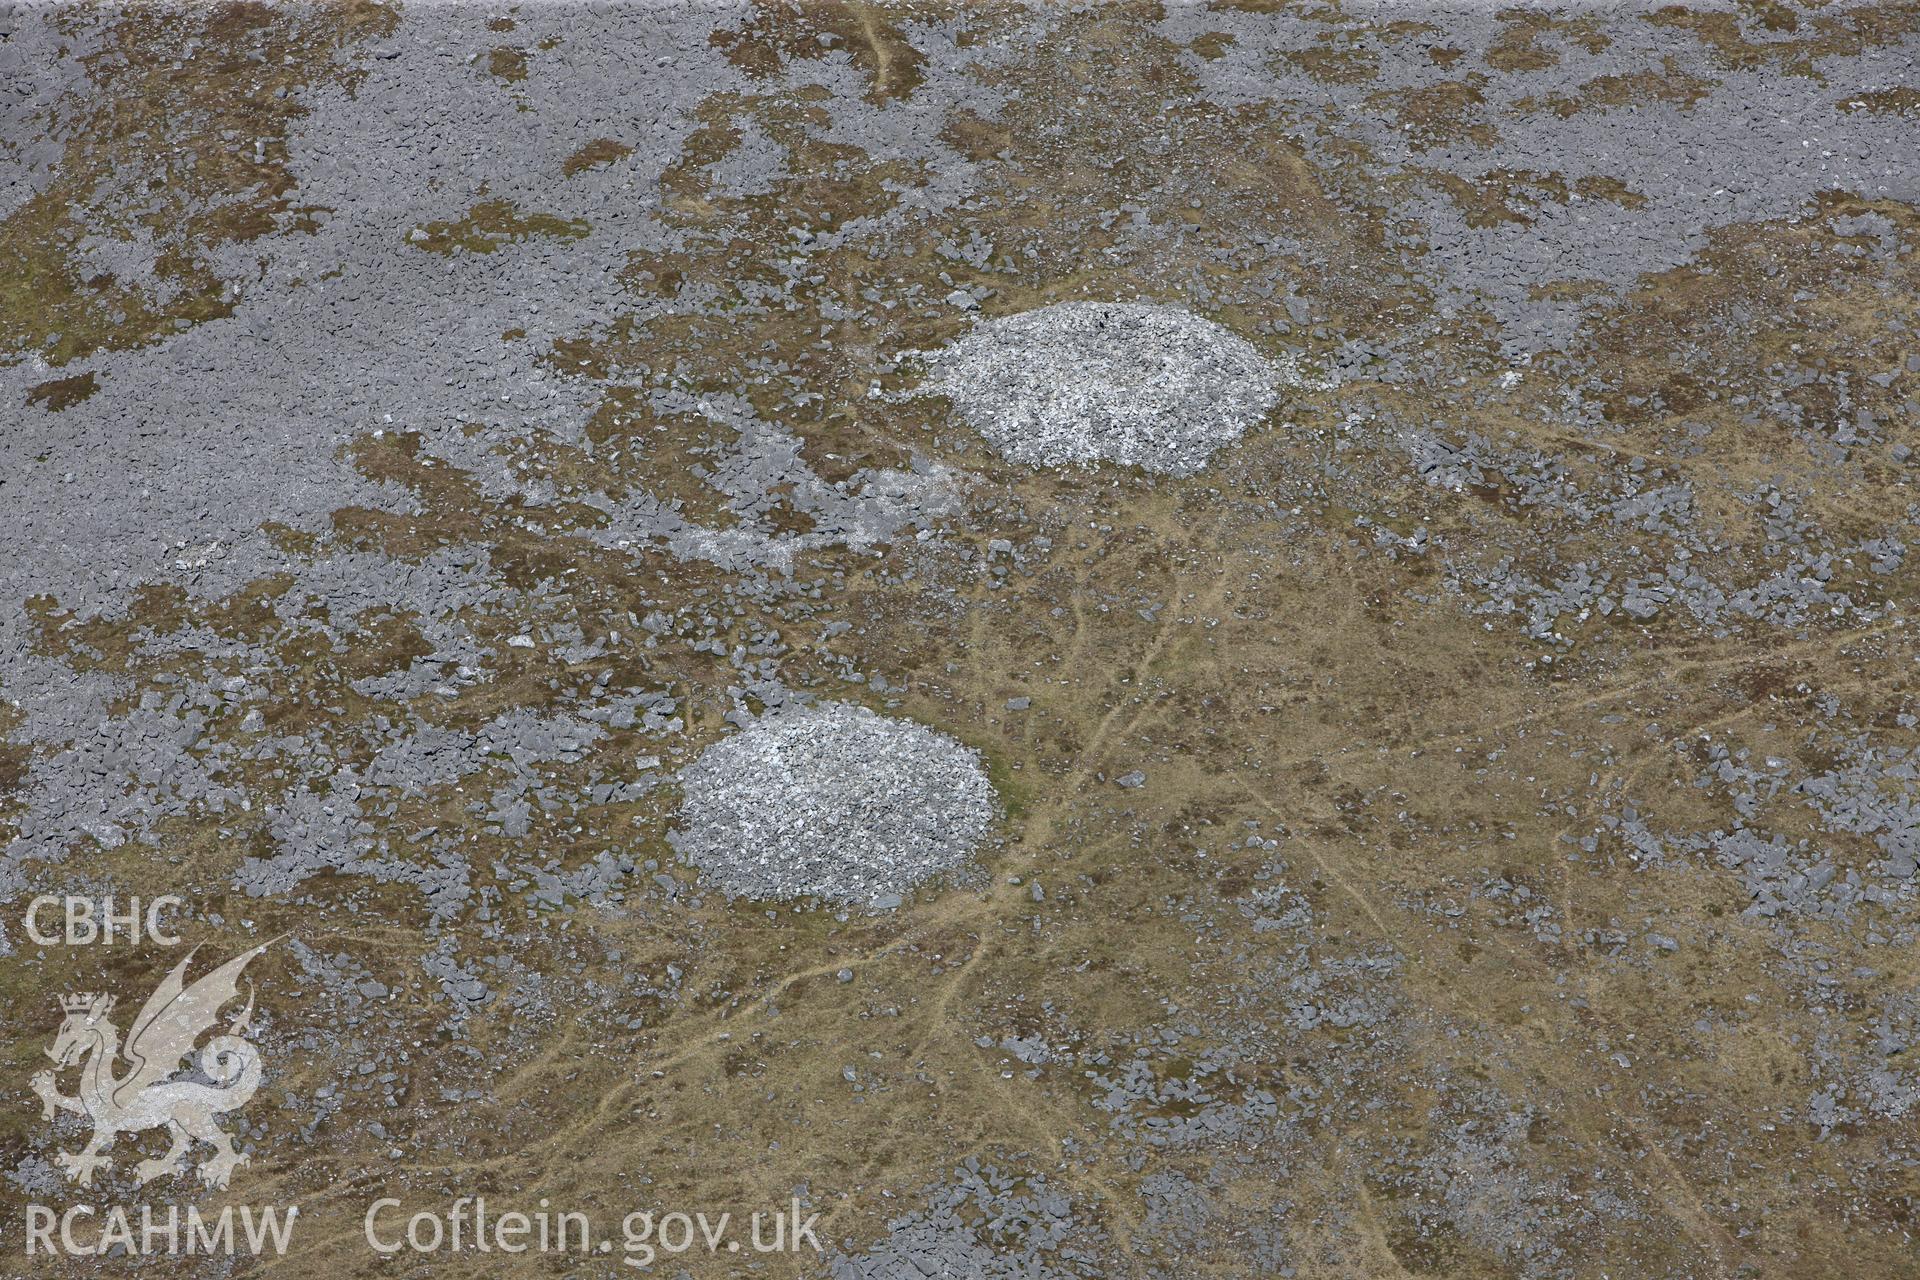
<point x="234" y="1065"/>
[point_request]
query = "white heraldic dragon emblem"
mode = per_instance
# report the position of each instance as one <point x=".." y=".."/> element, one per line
<point x="161" y="1038"/>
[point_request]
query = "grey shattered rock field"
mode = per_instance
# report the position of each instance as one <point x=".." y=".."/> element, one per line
<point x="1154" y="640"/>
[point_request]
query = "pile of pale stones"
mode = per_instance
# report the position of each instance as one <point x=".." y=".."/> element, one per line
<point x="1139" y="384"/>
<point x="839" y="803"/>
<point x="832" y="801"/>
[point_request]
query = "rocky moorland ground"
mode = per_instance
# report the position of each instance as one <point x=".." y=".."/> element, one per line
<point x="1126" y="640"/>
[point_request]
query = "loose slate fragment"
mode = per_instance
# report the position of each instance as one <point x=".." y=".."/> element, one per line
<point x="1134" y="383"/>
<point x="833" y="802"/>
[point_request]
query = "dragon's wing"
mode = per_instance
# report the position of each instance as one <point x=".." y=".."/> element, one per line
<point x="173" y="1018"/>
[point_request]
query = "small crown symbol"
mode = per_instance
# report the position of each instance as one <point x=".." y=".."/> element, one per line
<point x="79" y="1002"/>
